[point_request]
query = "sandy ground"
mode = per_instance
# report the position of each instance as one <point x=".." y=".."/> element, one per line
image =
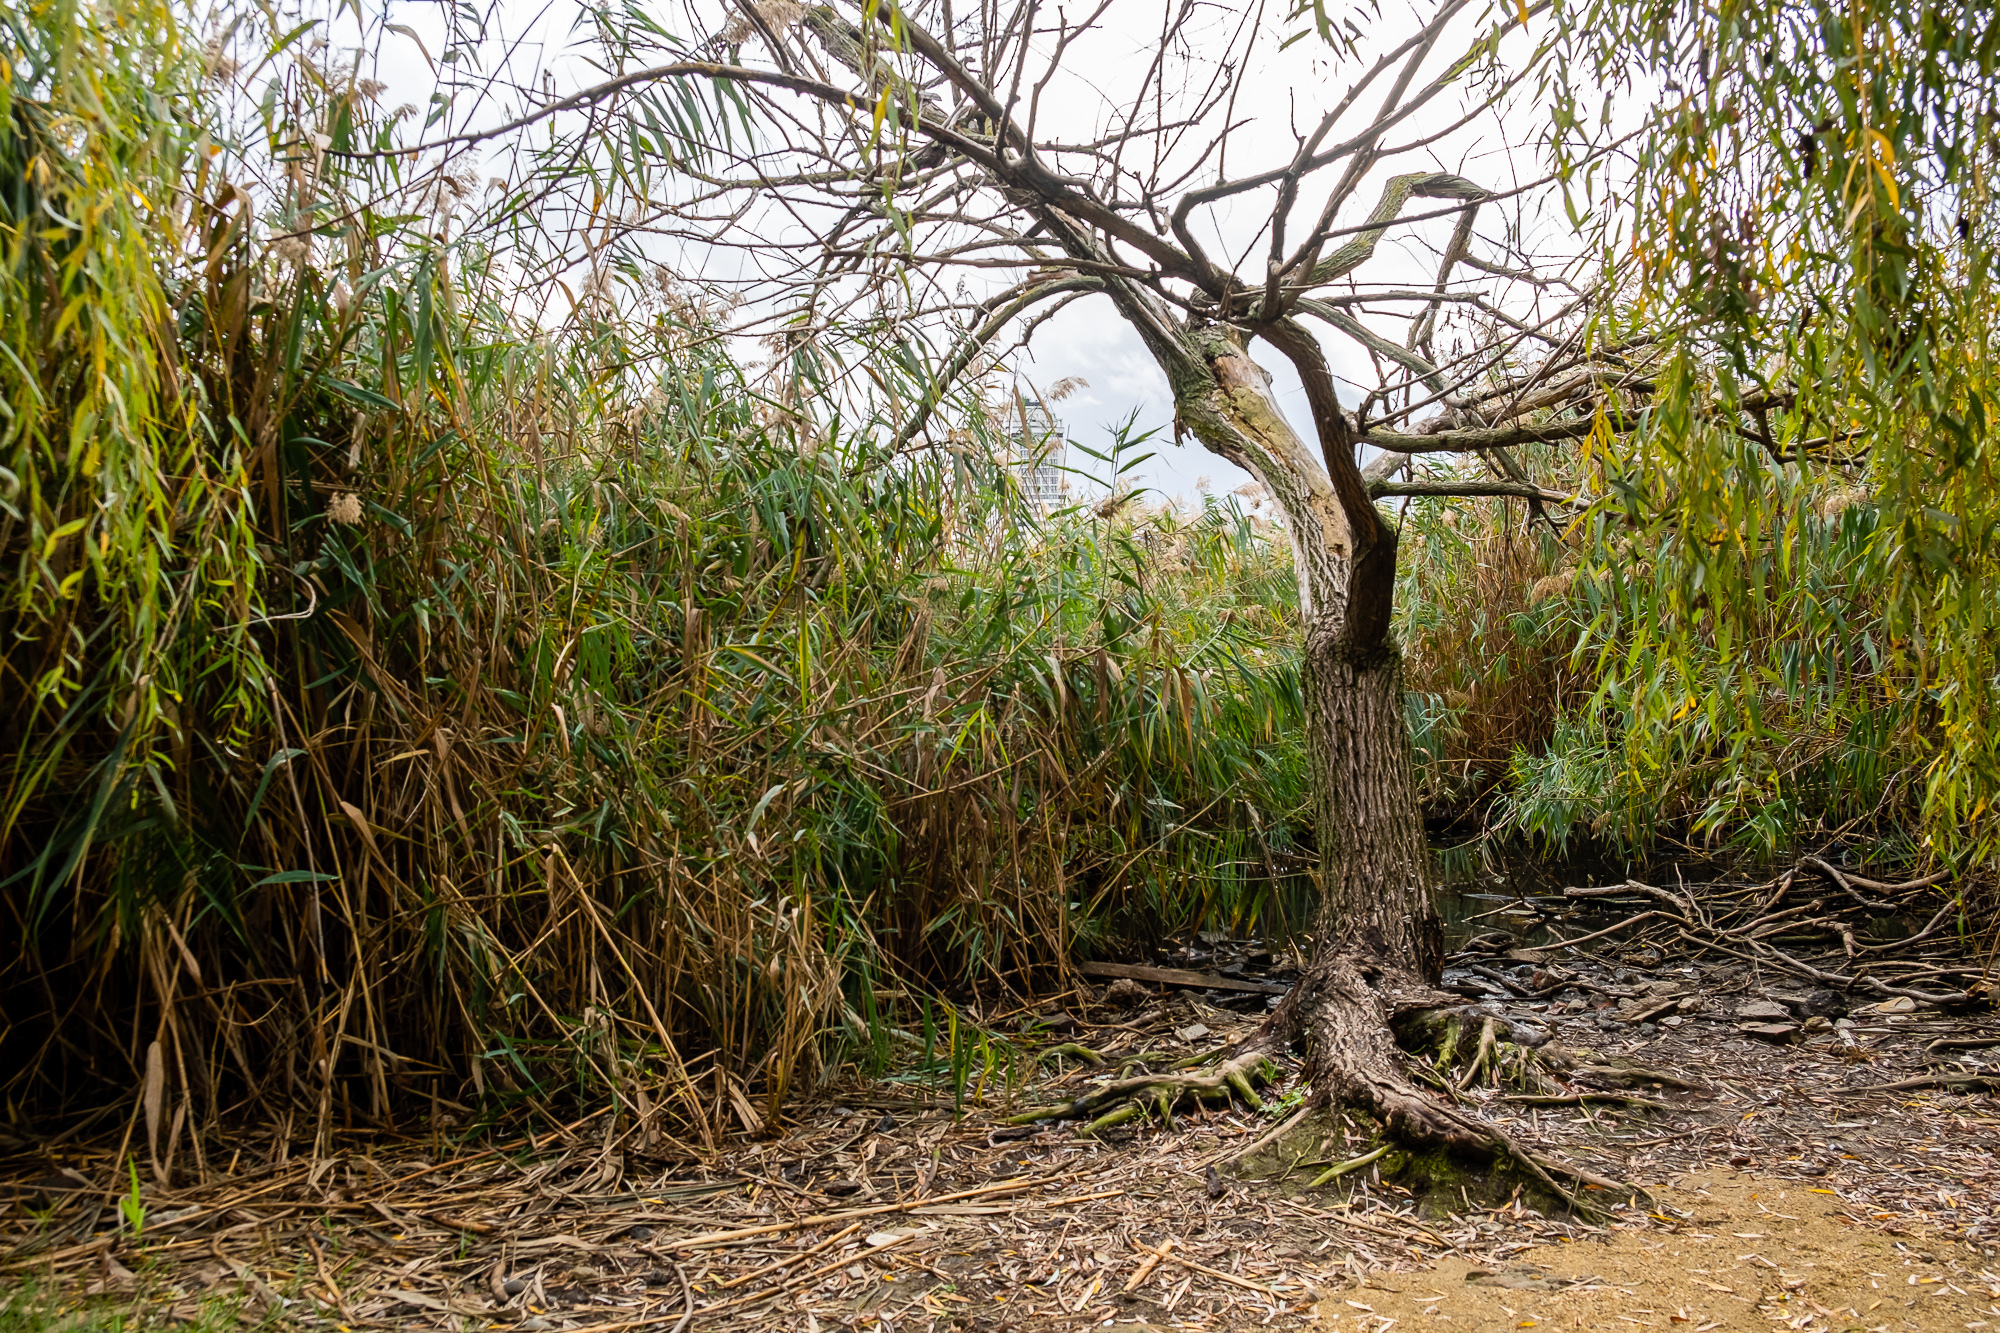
<point x="1728" y="1252"/>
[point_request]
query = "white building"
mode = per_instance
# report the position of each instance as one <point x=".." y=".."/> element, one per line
<point x="1044" y="448"/>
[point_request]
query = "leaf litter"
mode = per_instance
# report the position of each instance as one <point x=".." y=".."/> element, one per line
<point x="1826" y="1178"/>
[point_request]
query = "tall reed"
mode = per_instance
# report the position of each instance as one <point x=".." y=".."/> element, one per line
<point x="410" y="707"/>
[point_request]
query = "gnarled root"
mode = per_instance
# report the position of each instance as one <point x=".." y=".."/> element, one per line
<point x="1487" y="1049"/>
<point x="1126" y="1099"/>
<point x="1349" y="1014"/>
<point x="1358" y="1020"/>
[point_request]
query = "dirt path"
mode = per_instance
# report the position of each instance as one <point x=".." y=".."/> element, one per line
<point x="1728" y="1253"/>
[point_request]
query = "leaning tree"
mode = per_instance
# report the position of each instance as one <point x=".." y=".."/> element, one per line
<point x="917" y="189"/>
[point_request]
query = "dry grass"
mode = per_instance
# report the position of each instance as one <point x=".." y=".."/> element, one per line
<point x="1486" y="640"/>
<point x="462" y="718"/>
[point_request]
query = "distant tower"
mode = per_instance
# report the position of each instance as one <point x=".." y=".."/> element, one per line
<point x="1043" y="450"/>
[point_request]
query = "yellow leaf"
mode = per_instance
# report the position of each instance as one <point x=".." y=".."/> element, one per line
<point x="75" y="525"/>
<point x="1882" y="156"/>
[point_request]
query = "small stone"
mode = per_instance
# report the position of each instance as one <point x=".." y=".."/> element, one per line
<point x="1125" y="993"/>
<point x="1673" y="1022"/>
<point x="1740" y="1159"/>
<point x="1648" y="1029"/>
<point x="1763" y="1011"/>
<point x="1819" y="1002"/>
<point x="640" y="1233"/>
<point x="1780" y="1032"/>
<point x="1193" y="1032"/>
<point x="513" y="1286"/>
<point x="534" y="1324"/>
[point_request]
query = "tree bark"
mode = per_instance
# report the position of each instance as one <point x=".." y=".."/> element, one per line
<point x="1379" y="945"/>
<point x="1375" y="881"/>
<point x="1375" y="887"/>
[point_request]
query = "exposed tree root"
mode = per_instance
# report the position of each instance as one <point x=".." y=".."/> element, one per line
<point x="1625" y="1073"/>
<point x="1367" y="1032"/>
<point x="1126" y="1099"/>
<point x="1351" y="1012"/>
<point x="1339" y="1169"/>
<point x="1499" y="1056"/>
<point x="1589" y="1099"/>
<point x="1374" y="1037"/>
<point x="1076" y="1051"/>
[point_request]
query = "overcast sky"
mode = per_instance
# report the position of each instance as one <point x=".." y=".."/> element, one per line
<point x="1087" y="341"/>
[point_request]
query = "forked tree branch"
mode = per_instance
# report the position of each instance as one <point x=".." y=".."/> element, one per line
<point x="1520" y="490"/>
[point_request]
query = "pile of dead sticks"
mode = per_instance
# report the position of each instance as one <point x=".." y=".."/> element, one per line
<point x="1815" y="921"/>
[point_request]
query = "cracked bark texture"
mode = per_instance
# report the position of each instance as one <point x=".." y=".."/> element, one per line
<point x="1380" y="945"/>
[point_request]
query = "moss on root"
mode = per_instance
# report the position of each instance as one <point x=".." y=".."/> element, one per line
<point x="1437" y="1179"/>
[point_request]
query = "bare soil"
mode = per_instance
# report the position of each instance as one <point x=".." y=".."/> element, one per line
<point x="1792" y="1193"/>
<point x="1726" y="1253"/>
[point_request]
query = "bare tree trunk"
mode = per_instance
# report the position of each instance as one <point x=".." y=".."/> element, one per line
<point x="1375" y="882"/>
<point x="1374" y="865"/>
<point x="1379" y="946"/>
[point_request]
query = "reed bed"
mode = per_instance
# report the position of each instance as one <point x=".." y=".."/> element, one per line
<point x="414" y="708"/>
